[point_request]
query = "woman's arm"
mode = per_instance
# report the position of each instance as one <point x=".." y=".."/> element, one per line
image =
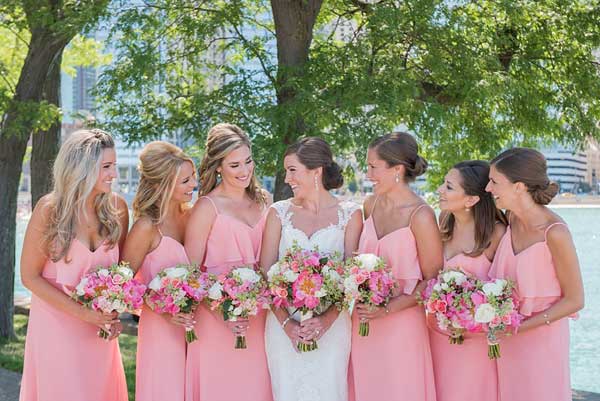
<point x="141" y="240"/>
<point x="198" y="229"/>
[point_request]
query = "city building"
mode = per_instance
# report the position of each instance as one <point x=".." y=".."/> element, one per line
<point x="567" y="166"/>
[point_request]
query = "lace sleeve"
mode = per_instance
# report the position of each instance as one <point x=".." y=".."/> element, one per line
<point x="347" y="209"/>
<point x="282" y="209"/>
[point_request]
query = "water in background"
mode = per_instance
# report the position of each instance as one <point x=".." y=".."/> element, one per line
<point x="584" y="224"/>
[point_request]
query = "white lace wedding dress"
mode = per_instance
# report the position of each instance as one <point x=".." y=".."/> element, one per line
<point x="322" y="374"/>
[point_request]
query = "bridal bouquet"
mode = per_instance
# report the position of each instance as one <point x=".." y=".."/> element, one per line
<point x="241" y="293"/>
<point x="452" y="297"/>
<point x="178" y="289"/>
<point x="496" y="311"/>
<point x="462" y="303"/>
<point x="309" y="281"/>
<point x="367" y="280"/>
<point x="110" y="289"/>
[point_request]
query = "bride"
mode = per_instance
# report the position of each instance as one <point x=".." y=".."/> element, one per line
<point x="313" y="217"/>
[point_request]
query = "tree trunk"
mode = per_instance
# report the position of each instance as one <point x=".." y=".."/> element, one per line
<point x="294" y="24"/>
<point x="46" y="143"/>
<point x="14" y="135"/>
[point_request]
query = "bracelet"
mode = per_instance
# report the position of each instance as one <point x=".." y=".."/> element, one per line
<point x="545" y="316"/>
<point x="287" y="319"/>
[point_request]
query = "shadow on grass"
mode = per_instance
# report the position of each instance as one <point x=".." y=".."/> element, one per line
<point x="11" y="353"/>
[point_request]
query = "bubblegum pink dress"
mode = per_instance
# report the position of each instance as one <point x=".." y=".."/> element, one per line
<point x="64" y="357"/>
<point x="393" y="363"/>
<point x="215" y="370"/>
<point x="160" y="360"/>
<point x="464" y="372"/>
<point x="533" y="365"/>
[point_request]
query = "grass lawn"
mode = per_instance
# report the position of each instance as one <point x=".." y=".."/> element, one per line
<point x="11" y="353"/>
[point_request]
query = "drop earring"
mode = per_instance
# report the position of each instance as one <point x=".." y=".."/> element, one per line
<point x="397" y="179"/>
<point x="316" y="184"/>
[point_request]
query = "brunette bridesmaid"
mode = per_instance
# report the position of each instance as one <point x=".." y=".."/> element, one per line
<point x="471" y="228"/>
<point x="80" y="225"/>
<point x="538" y="254"/>
<point x="394" y="361"/>
<point x="161" y="209"/>
<point x="225" y="231"/>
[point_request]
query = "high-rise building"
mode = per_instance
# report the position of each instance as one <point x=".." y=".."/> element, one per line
<point x="566" y="166"/>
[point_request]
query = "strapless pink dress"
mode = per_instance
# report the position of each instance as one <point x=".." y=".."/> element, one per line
<point x="161" y="348"/>
<point x="215" y="370"/>
<point x="64" y="357"/>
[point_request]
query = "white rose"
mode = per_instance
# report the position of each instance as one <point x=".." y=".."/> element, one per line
<point x="290" y="276"/>
<point x="485" y="313"/>
<point x="437" y="287"/>
<point x="246" y="274"/>
<point x="118" y="306"/>
<point x="350" y="284"/>
<point x="458" y="277"/>
<point x="492" y="288"/>
<point x="176" y="272"/>
<point x="215" y="291"/>
<point x="80" y="287"/>
<point x="103" y="272"/>
<point x="154" y="284"/>
<point x="334" y="275"/>
<point x="126" y="272"/>
<point x="444" y="286"/>
<point x="273" y="271"/>
<point x="321" y="293"/>
<point x="368" y="260"/>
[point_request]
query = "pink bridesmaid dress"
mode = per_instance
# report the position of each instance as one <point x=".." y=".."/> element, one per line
<point x="64" y="357"/>
<point x="533" y="365"/>
<point x="160" y="361"/>
<point x="464" y="372"/>
<point x="215" y="370"/>
<point x="394" y="362"/>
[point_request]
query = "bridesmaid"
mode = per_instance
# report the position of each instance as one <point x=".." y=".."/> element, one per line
<point x="225" y="231"/>
<point x="537" y="252"/>
<point x="80" y="225"/>
<point x="394" y="361"/>
<point x="471" y="228"/>
<point x="161" y="209"/>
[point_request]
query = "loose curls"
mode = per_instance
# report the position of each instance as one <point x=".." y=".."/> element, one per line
<point x="529" y="167"/>
<point x="222" y="139"/>
<point x="474" y="175"/>
<point x="75" y="173"/>
<point x="313" y="152"/>
<point x="160" y="164"/>
<point x="400" y="148"/>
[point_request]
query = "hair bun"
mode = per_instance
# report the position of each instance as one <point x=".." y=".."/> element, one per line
<point x="419" y="168"/>
<point x="332" y="176"/>
<point x="544" y="196"/>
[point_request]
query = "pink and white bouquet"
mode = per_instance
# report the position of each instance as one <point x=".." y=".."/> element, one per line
<point x="110" y="289"/>
<point x="178" y="289"/>
<point x="368" y="280"/>
<point x="308" y="281"/>
<point x="241" y="293"/>
<point x="462" y="303"/>
<point x="496" y="310"/>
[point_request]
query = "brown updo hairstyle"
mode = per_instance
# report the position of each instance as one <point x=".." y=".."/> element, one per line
<point x="474" y="176"/>
<point x="222" y="139"/>
<point x="529" y="167"/>
<point x="313" y="152"/>
<point x="400" y="148"/>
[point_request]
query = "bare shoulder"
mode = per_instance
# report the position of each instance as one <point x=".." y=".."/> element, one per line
<point x="143" y="226"/>
<point x="368" y="204"/>
<point x="203" y="208"/>
<point x="423" y="214"/>
<point x="558" y="234"/>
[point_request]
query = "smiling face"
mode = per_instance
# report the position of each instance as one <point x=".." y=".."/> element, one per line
<point x="184" y="184"/>
<point x="380" y="174"/>
<point x="237" y="168"/>
<point x="299" y="177"/>
<point x="452" y="194"/>
<point x="108" y="171"/>
<point x="502" y="189"/>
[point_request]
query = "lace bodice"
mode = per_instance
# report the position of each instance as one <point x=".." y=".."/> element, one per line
<point x="328" y="239"/>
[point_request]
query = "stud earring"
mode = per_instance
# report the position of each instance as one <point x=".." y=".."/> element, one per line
<point x="467" y="209"/>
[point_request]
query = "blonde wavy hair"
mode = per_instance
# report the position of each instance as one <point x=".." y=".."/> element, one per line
<point x="76" y="170"/>
<point x="222" y="139"/>
<point x="160" y="164"/>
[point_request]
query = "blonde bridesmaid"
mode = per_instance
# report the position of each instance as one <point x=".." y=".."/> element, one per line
<point x="80" y="225"/>
<point x="471" y="228"/>
<point x="537" y="252"/>
<point x="394" y="361"/>
<point x="225" y="231"/>
<point x="161" y="209"/>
